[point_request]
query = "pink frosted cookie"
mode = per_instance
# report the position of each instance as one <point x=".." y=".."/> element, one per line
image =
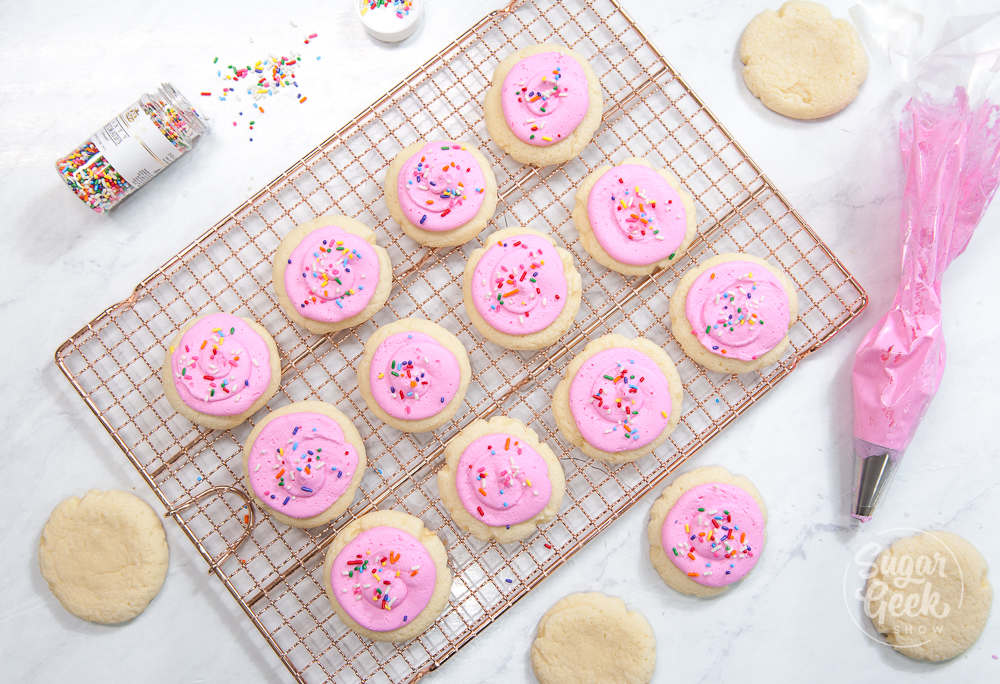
<point x="499" y="481"/>
<point x="543" y="105"/>
<point x="521" y="291"/>
<point x="633" y="218"/>
<point x="732" y="313"/>
<point x="329" y="274"/>
<point x="387" y="576"/>
<point x="620" y="399"/>
<point x="220" y="369"/>
<point x="706" y="531"/>
<point x="303" y="463"/>
<point x="441" y="192"/>
<point x="413" y="375"/>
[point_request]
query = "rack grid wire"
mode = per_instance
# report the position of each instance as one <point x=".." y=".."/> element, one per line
<point x="273" y="571"/>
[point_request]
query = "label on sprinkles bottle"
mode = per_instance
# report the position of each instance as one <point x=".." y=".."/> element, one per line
<point x="135" y="146"/>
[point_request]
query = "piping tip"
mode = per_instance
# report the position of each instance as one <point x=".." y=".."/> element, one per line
<point x="873" y="471"/>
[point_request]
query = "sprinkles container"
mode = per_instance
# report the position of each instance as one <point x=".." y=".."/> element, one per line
<point x="125" y="153"/>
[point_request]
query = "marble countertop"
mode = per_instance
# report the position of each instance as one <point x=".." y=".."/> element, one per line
<point x="71" y="65"/>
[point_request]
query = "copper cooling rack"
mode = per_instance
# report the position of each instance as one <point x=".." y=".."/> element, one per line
<point x="272" y="571"/>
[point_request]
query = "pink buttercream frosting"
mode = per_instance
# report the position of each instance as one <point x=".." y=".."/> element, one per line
<point x="620" y="400"/>
<point x="300" y="464"/>
<point x="441" y="187"/>
<point x="738" y="309"/>
<point x="636" y="215"/>
<point x="221" y="365"/>
<point x="519" y="286"/>
<point x="413" y="376"/>
<point x="383" y="578"/>
<point x="714" y="533"/>
<point x="502" y="481"/>
<point x="331" y="275"/>
<point x="544" y="98"/>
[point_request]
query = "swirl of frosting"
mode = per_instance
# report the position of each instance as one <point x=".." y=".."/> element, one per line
<point x="519" y="286"/>
<point x="714" y="533"/>
<point x="502" y="481"/>
<point x="636" y="215"/>
<point x="441" y="187"/>
<point x="738" y="309"/>
<point x="331" y="274"/>
<point x="300" y="464"/>
<point x="383" y="577"/>
<point x="544" y="98"/>
<point x="221" y="365"/>
<point x="413" y="376"/>
<point x="620" y="400"/>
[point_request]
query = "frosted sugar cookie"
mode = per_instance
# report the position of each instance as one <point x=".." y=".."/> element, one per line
<point x="499" y="481"/>
<point x="633" y="218"/>
<point x="413" y="375"/>
<point x="706" y="531"/>
<point x="619" y="400"/>
<point x="329" y="274"/>
<point x="442" y="193"/>
<point x="104" y="556"/>
<point x="303" y="463"/>
<point x="543" y="105"/>
<point x="732" y="313"/>
<point x="220" y="369"/>
<point x="801" y="62"/>
<point x="387" y="576"/>
<point x="929" y="595"/>
<point x="521" y="291"/>
<point x="593" y="637"/>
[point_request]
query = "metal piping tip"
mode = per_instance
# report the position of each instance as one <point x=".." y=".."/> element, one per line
<point x="875" y="468"/>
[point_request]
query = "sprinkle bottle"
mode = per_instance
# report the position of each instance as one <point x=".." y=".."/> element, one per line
<point x="125" y="153"/>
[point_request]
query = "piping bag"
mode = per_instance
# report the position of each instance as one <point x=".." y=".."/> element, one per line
<point x="951" y="162"/>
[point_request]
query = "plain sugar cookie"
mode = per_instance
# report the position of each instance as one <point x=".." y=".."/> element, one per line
<point x="929" y="595"/>
<point x="593" y="637"/>
<point x="801" y="62"/>
<point x="387" y="576"/>
<point x="706" y="531"/>
<point x="104" y="556"/>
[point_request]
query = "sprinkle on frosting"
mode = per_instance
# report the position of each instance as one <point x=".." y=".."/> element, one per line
<point x="441" y="187"/>
<point x="413" y="376"/>
<point x="519" y="285"/>
<point x="714" y="533"/>
<point x="502" y="481"/>
<point x="544" y="98"/>
<point x="738" y="309"/>
<point x="221" y="365"/>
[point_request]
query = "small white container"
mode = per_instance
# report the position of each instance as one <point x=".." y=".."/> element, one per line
<point x="390" y="20"/>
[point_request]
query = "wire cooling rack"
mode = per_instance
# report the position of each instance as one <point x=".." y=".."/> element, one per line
<point x="272" y="571"/>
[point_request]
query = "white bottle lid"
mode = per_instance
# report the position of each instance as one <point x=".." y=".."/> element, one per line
<point x="390" y="20"/>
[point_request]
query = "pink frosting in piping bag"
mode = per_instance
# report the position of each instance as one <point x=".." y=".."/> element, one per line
<point x="544" y="98"/>
<point x="440" y="188"/>
<point x="221" y="365"/>
<point x="501" y="481"/>
<point x="412" y="376"/>
<point x="951" y="158"/>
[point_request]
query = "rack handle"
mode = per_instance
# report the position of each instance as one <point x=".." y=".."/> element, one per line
<point x="248" y="522"/>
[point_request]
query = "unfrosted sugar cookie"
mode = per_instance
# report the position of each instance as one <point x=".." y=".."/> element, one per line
<point x="633" y="218"/>
<point x="303" y="463"/>
<point x="387" y="576"/>
<point x="619" y="400"/>
<point x="499" y="481"/>
<point x="929" y="595"/>
<point x="801" y="62"/>
<point x="593" y="637"/>
<point x="521" y="291"/>
<point x="413" y="375"/>
<point x="706" y="531"/>
<point x="732" y="313"/>
<point x="442" y="193"/>
<point x="330" y="275"/>
<point x="220" y="369"/>
<point x="104" y="556"/>
<point x="543" y="105"/>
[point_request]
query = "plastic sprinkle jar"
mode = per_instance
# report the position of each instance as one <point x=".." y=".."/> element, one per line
<point x="125" y="153"/>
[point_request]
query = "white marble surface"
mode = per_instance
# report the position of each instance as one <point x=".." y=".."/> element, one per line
<point x="788" y="621"/>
